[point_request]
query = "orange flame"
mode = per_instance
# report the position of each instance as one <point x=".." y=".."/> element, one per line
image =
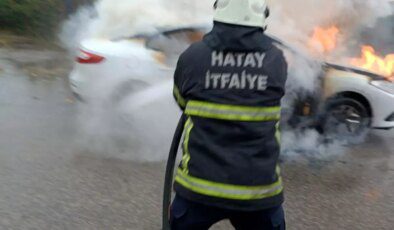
<point x="369" y="60"/>
<point x="324" y="40"/>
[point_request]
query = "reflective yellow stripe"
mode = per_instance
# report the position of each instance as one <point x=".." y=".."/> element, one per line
<point x="226" y="191"/>
<point x="181" y="101"/>
<point x="232" y="112"/>
<point x="186" y="153"/>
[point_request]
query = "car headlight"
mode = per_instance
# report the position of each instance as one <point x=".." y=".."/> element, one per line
<point x="386" y="86"/>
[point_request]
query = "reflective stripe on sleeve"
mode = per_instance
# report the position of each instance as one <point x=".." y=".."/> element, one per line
<point x="179" y="99"/>
<point x="186" y="153"/>
<point x="226" y="191"/>
<point x="232" y="112"/>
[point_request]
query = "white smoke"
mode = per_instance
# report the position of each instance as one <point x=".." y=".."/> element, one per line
<point x="310" y="144"/>
<point x="140" y="126"/>
<point x="75" y="29"/>
<point x="295" y="20"/>
<point x="108" y="19"/>
<point x="127" y="118"/>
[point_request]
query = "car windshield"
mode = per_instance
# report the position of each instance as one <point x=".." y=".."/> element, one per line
<point x="173" y="42"/>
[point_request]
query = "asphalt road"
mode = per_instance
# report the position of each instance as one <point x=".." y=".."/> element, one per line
<point x="47" y="182"/>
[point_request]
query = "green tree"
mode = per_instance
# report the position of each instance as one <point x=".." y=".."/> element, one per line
<point x="38" y="17"/>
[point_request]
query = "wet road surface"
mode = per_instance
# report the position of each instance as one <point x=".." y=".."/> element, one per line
<point x="46" y="182"/>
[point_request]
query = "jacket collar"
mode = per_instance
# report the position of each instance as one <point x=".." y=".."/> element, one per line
<point x="229" y="37"/>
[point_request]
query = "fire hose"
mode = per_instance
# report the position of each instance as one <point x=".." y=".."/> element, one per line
<point x="169" y="176"/>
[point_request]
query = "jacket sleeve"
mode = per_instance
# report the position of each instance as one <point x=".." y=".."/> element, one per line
<point x="283" y="70"/>
<point x="178" y="78"/>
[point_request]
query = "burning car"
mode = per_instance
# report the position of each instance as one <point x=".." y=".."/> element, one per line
<point x="348" y="103"/>
<point x="349" y="100"/>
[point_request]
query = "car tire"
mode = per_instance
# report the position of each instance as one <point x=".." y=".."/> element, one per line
<point x="345" y="119"/>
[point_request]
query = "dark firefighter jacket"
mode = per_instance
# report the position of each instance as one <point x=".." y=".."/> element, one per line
<point x="230" y="86"/>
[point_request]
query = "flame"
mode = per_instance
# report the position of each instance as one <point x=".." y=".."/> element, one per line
<point x="369" y="60"/>
<point x="324" y="39"/>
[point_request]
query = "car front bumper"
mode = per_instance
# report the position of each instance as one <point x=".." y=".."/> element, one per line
<point x="382" y="104"/>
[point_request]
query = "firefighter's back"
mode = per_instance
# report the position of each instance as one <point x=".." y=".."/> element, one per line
<point x="232" y="82"/>
<point x="230" y="86"/>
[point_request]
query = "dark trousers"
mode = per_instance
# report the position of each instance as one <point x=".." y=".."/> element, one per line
<point x="188" y="215"/>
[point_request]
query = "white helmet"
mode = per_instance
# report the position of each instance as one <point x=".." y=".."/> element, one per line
<point x="242" y="12"/>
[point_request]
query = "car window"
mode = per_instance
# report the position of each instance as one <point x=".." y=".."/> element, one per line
<point x="173" y="43"/>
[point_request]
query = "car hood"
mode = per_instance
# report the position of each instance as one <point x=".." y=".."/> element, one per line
<point x="373" y="76"/>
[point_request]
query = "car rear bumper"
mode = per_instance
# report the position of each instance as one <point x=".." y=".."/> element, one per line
<point x="77" y="85"/>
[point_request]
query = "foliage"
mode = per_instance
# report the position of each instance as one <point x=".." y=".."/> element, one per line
<point x="37" y="17"/>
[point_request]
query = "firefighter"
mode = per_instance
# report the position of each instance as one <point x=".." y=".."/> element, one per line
<point x="230" y="86"/>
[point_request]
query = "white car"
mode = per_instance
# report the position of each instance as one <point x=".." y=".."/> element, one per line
<point x="349" y="101"/>
<point x="132" y="62"/>
<point x="374" y="93"/>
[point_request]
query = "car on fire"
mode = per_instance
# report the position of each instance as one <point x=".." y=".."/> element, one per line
<point x="348" y="102"/>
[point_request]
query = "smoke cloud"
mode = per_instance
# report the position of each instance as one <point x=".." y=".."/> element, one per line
<point x="139" y="126"/>
<point x="107" y="19"/>
<point x="295" y="20"/>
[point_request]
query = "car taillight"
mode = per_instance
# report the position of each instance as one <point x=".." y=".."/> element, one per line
<point x="85" y="57"/>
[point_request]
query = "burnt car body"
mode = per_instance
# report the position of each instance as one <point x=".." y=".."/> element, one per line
<point x="346" y="102"/>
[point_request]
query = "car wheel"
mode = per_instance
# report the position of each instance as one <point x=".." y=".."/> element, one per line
<point x="346" y="119"/>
